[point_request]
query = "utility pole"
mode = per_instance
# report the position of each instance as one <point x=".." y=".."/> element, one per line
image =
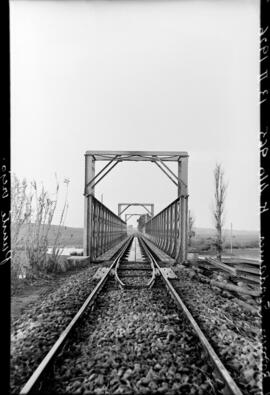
<point x="231" y="239"/>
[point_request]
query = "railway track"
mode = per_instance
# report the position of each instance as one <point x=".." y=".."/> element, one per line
<point x="129" y="337"/>
<point x="136" y="270"/>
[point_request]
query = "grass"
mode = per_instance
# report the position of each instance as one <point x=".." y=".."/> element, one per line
<point x="203" y="242"/>
<point x="248" y="253"/>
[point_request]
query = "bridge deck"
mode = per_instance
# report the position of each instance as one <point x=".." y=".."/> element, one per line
<point x="107" y="256"/>
<point x="162" y="256"/>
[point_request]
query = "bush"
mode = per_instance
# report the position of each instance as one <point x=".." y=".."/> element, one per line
<point x="203" y="244"/>
<point x="206" y="247"/>
<point x="32" y="212"/>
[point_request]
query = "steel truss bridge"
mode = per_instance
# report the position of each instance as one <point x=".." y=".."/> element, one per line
<point x="168" y="229"/>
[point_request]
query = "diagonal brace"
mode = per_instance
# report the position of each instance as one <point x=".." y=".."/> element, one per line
<point x="104" y="175"/>
<point x="167" y="167"/>
<point x="124" y="209"/>
<point x="101" y="171"/>
<point x="146" y="209"/>
<point x="164" y="171"/>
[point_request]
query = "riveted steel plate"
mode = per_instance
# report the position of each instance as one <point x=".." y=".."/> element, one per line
<point x="168" y="273"/>
<point x="101" y="273"/>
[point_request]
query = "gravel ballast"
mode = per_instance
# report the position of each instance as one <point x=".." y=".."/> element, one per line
<point x="38" y="328"/>
<point x="233" y="332"/>
<point x="134" y="341"/>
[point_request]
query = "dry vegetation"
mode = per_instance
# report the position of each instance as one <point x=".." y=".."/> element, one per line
<point x="32" y="213"/>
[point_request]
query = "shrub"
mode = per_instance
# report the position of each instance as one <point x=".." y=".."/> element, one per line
<point x="32" y="212"/>
<point x="20" y="216"/>
<point x="53" y="261"/>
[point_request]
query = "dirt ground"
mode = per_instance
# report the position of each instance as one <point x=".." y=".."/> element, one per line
<point x="249" y="253"/>
<point x="19" y="302"/>
<point x="27" y="294"/>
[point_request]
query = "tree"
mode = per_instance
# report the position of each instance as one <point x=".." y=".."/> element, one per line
<point x="191" y="232"/>
<point x="218" y="211"/>
<point x="142" y="221"/>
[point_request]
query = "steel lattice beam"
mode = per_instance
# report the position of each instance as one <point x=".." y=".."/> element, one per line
<point x="168" y="156"/>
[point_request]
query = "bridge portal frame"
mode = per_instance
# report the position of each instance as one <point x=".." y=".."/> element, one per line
<point x="158" y="158"/>
<point x="125" y="206"/>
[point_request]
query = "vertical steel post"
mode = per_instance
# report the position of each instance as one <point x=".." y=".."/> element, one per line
<point x="175" y="220"/>
<point x="183" y="195"/>
<point x="89" y="191"/>
<point x="171" y="230"/>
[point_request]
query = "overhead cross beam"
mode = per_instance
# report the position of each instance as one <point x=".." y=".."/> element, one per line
<point x="127" y="205"/>
<point x="146" y="156"/>
<point x="157" y="157"/>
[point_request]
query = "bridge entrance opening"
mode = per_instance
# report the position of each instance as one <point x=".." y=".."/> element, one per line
<point x="168" y="229"/>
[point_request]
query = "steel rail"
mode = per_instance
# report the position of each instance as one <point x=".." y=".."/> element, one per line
<point x="231" y="387"/>
<point x="47" y="360"/>
<point x="124" y="285"/>
<point x="153" y="277"/>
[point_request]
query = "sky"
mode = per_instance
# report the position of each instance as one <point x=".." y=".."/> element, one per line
<point x="170" y="75"/>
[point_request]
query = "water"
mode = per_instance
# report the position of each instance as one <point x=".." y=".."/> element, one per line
<point x="67" y="250"/>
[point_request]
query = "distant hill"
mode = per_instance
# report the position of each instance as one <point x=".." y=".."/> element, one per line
<point x="227" y="232"/>
<point x="70" y="237"/>
<point x="240" y="238"/>
<point x="73" y="237"/>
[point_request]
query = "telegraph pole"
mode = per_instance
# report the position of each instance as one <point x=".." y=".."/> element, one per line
<point x="231" y="239"/>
